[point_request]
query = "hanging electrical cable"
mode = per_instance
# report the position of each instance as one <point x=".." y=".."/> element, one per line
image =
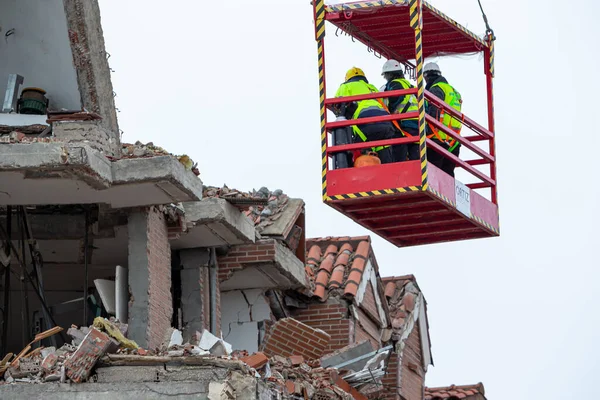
<point x="488" y="30"/>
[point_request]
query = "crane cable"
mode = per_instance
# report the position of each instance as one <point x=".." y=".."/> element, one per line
<point x="488" y="31"/>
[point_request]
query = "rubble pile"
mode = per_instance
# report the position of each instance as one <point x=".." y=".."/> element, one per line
<point x="141" y="150"/>
<point x="72" y="361"/>
<point x="75" y="361"/>
<point x="20" y="137"/>
<point x="299" y="378"/>
<point x="262" y="206"/>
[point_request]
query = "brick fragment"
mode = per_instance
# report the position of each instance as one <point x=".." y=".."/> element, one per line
<point x="49" y="362"/>
<point x="290" y="386"/>
<point x="296" y="360"/>
<point x="80" y="364"/>
<point x="256" y="360"/>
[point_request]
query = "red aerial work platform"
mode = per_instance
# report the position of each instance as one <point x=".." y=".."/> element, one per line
<point x="413" y="202"/>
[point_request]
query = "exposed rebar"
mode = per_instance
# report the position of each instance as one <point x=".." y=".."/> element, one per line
<point x="85" y="266"/>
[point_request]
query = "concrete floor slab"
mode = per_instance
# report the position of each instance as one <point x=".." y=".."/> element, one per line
<point x="62" y="173"/>
<point x="214" y="223"/>
<point x="286" y="271"/>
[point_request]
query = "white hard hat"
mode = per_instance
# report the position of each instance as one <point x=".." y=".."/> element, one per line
<point x="391" y="66"/>
<point x="430" y="67"/>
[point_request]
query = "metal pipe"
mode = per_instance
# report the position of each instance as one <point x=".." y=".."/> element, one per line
<point x="475" y="172"/>
<point x="122" y="294"/>
<point x="85" y="266"/>
<point x="368" y="120"/>
<point x="6" y="303"/>
<point x="12" y="93"/>
<point x="364" y="145"/>
<point x="489" y="79"/>
<point x="24" y="295"/>
<point x="212" y="272"/>
<point x="370" y="96"/>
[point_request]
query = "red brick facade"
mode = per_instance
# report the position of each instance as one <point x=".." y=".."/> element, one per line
<point x="332" y="318"/>
<point x="159" y="276"/>
<point x="413" y="375"/>
<point x="390" y="380"/>
<point x="412" y="380"/>
<point x="261" y="251"/>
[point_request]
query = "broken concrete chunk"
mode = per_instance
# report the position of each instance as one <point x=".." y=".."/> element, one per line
<point x="176" y="338"/>
<point x="197" y="351"/>
<point x="220" y="391"/>
<point x="216" y="346"/>
<point x="29" y="365"/>
<point x="46" y="350"/>
<point x="77" y="335"/>
<point x="55" y="377"/>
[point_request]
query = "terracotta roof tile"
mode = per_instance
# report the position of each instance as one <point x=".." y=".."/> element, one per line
<point x="337" y="263"/>
<point x="390" y="289"/>
<point x="401" y="293"/>
<point x="454" y="392"/>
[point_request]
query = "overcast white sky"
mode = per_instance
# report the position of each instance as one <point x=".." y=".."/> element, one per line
<point x="234" y="85"/>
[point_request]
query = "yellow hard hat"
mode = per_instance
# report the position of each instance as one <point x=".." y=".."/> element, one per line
<point x="354" y="71"/>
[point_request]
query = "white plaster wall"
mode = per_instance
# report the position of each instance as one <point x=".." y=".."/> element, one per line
<point x="241" y="311"/>
<point x="39" y="50"/>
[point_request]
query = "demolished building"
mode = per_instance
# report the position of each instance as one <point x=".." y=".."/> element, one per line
<point x="122" y="272"/>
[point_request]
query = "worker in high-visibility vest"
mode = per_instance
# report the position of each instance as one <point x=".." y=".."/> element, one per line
<point x="356" y="84"/>
<point x="439" y="87"/>
<point x="393" y="74"/>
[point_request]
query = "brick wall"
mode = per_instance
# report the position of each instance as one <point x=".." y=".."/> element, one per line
<point x="289" y="337"/>
<point x="333" y="319"/>
<point x="369" y="305"/>
<point x="159" y="275"/>
<point x="366" y="328"/>
<point x="390" y="380"/>
<point x="413" y="375"/>
<point x="261" y="251"/>
<point x="360" y="334"/>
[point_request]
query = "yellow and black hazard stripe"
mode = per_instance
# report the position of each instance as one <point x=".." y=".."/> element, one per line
<point x="454" y="23"/>
<point x="441" y="196"/>
<point x="491" y="60"/>
<point x="416" y="14"/>
<point x="363" y="4"/>
<point x="319" y="10"/>
<point x="374" y="193"/>
<point x="487" y="225"/>
<point x="416" y="23"/>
